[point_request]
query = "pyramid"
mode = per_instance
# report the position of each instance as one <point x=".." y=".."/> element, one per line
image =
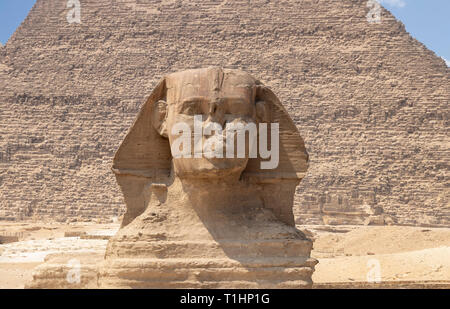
<point x="370" y="101"/>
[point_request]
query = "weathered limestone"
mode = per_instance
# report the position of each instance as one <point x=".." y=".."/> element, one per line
<point x="4" y="239"/>
<point x="70" y="270"/>
<point x="208" y="222"/>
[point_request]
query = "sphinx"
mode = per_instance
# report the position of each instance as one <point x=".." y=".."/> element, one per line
<point x="199" y="221"/>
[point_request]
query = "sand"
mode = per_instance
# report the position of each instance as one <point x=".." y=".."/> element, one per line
<point x="351" y="253"/>
<point x="16" y="275"/>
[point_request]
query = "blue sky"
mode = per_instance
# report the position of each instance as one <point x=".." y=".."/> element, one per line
<point x="427" y="20"/>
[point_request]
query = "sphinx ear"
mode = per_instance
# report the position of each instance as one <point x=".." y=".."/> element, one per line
<point x="159" y="117"/>
<point x="262" y="106"/>
<point x="262" y="112"/>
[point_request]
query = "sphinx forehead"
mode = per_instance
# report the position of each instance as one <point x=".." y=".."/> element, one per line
<point x="212" y="77"/>
<point x="209" y="82"/>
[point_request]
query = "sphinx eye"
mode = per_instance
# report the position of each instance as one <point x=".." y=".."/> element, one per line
<point x="238" y="107"/>
<point x="190" y="107"/>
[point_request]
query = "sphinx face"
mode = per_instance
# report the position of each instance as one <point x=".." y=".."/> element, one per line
<point x="209" y="102"/>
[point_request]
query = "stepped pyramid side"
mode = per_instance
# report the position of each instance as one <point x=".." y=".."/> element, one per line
<point x="370" y="101"/>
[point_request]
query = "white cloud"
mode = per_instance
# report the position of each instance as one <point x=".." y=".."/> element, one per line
<point x="447" y="62"/>
<point x="394" y="3"/>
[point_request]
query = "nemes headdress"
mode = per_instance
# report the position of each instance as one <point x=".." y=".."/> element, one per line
<point x="144" y="157"/>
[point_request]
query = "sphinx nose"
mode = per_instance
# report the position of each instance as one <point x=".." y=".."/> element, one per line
<point x="215" y="113"/>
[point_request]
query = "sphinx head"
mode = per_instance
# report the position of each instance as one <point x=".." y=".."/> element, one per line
<point x="214" y="99"/>
<point x="200" y="102"/>
<point x="200" y="116"/>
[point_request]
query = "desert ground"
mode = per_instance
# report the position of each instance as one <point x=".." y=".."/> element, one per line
<point x="346" y="254"/>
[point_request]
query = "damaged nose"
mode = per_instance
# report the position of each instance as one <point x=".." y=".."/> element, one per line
<point x="215" y="113"/>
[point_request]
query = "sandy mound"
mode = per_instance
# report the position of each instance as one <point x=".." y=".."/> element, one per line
<point x="362" y="240"/>
<point x="350" y="253"/>
<point x="423" y="265"/>
<point x="16" y="275"/>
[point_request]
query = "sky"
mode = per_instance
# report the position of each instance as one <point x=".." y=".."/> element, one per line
<point x="427" y="20"/>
